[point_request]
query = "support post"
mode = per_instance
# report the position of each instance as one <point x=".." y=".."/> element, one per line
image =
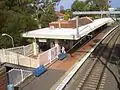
<point x="77" y="25"/>
<point x="22" y="77"/>
<point x="34" y="47"/>
<point x="58" y="47"/>
<point x="24" y="52"/>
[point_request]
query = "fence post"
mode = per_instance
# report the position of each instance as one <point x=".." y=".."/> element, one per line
<point x="30" y="62"/>
<point x="3" y="56"/>
<point x="34" y="47"/>
<point x="49" y="56"/>
<point x="58" y="48"/>
<point x="22" y="74"/>
<point x="24" y="52"/>
<point x="38" y="59"/>
<point x="18" y="59"/>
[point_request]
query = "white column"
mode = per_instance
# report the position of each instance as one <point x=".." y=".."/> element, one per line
<point x="49" y="56"/>
<point x="22" y="77"/>
<point x="77" y="25"/>
<point x="34" y="47"/>
<point x="24" y="52"/>
<point x="58" y="47"/>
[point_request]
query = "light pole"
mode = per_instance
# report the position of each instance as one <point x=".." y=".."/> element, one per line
<point x="5" y="34"/>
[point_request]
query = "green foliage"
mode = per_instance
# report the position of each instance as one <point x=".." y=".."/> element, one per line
<point x="48" y="16"/>
<point x="68" y="13"/>
<point x="18" y="16"/>
<point x="66" y="16"/>
<point x="90" y="5"/>
<point x="78" y="6"/>
<point x="14" y="20"/>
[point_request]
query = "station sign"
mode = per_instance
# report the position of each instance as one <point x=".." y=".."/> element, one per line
<point x="42" y="40"/>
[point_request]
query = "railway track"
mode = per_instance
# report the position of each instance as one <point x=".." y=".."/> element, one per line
<point x="93" y="76"/>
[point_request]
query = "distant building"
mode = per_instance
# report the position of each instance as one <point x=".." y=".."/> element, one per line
<point x="112" y="9"/>
<point x="59" y="15"/>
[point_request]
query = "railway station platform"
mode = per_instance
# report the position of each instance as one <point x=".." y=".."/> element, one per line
<point x="58" y="68"/>
<point x="67" y="33"/>
<point x="63" y="36"/>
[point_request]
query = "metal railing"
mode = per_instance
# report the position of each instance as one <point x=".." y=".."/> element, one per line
<point x="48" y="56"/>
<point x="19" y="59"/>
<point x="16" y="76"/>
<point x="24" y="50"/>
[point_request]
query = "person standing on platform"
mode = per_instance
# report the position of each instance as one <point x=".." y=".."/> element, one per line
<point x="63" y="50"/>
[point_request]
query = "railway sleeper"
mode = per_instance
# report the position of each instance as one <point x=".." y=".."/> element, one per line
<point x="93" y="83"/>
<point x="98" y="68"/>
<point x="96" y="72"/>
<point x="95" y="75"/>
<point x="85" y="88"/>
<point x="89" y="88"/>
<point x="93" y="80"/>
<point x="101" y="87"/>
<point x="80" y="85"/>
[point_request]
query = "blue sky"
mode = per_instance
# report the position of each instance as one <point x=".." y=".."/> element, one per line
<point x="115" y="3"/>
<point x="67" y="3"/>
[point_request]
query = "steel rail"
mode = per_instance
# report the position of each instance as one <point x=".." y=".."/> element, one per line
<point x="95" y="65"/>
<point x="60" y="85"/>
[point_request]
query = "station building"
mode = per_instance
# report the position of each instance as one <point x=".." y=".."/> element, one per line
<point x="65" y="33"/>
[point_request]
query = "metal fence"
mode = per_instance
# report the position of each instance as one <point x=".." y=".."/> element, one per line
<point x="48" y="56"/>
<point x="15" y="58"/>
<point x="24" y="50"/>
<point x="16" y="76"/>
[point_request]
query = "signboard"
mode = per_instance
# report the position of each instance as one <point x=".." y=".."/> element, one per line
<point x="42" y="40"/>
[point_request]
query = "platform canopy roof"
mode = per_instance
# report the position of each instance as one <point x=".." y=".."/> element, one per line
<point x="67" y="33"/>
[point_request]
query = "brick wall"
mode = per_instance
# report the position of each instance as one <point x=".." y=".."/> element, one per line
<point x="3" y="78"/>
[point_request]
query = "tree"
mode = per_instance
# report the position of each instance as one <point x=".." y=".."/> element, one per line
<point x="90" y="5"/>
<point x="18" y="16"/>
<point x="47" y="16"/>
<point x="67" y="14"/>
<point x="79" y="6"/>
<point x="98" y="4"/>
<point x="14" y="21"/>
<point x="45" y="12"/>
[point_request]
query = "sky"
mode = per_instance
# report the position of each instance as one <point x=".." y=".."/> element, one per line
<point x="115" y="3"/>
<point x="67" y="4"/>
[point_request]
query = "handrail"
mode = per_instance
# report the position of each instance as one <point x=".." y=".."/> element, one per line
<point x="77" y="42"/>
<point x="85" y="27"/>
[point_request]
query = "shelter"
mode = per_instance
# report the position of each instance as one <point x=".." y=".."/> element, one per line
<point x="70" y="35"/>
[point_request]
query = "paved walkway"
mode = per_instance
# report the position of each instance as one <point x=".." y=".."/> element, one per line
<point x="69" y="61"/>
